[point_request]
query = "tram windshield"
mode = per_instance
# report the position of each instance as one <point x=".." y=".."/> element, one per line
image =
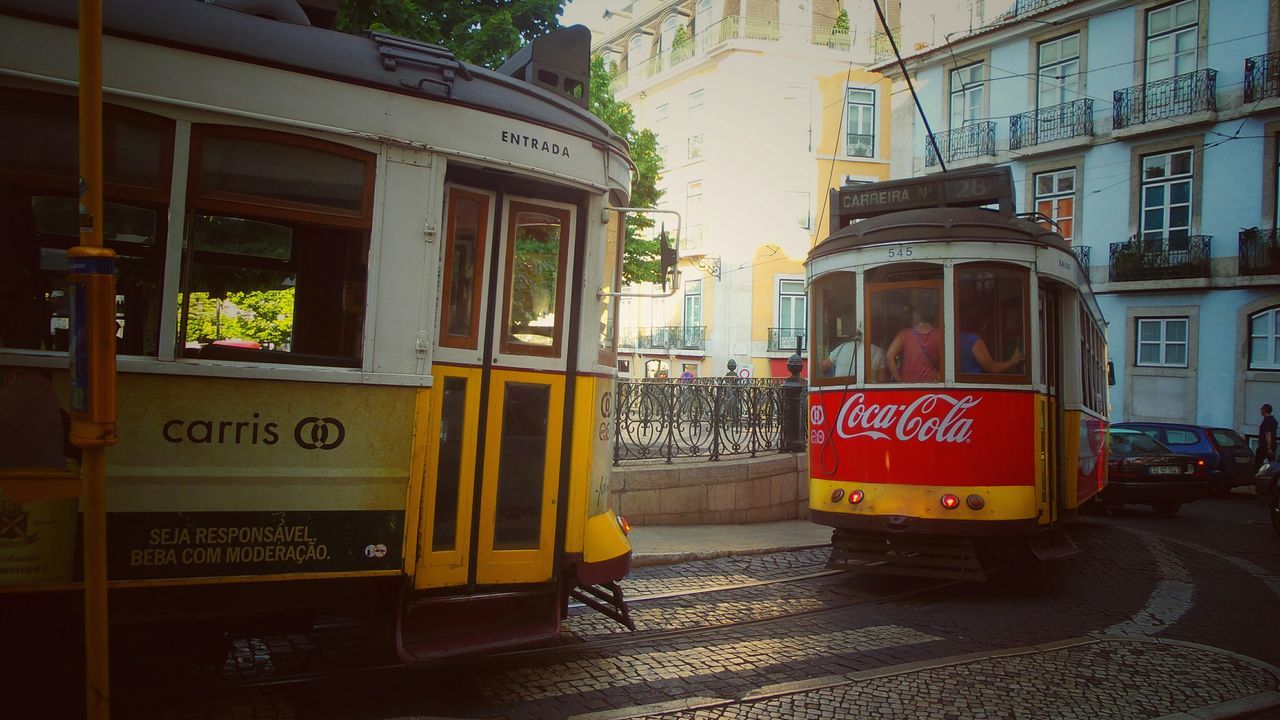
<point x="991" y="323"/>
<point x="835" y="325"/>
<point x="904" y="324"/>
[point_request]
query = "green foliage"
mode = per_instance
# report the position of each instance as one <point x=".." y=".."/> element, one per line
<point x="482" y="32"/>
<point x="682" y="37"/>
<point x="640" y="262"/>
<point x="265" y="316"/>
<point x="842" y="22"/>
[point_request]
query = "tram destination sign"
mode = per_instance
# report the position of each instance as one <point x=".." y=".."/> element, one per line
<point x="964" y="188"/>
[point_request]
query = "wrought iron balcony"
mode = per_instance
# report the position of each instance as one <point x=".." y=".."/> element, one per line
<point x="672" y="337"/>
<point x="1025" y="7"/>
<point x="1160" y="258"/>
<point x="1262" y="77"/>
<point x="1060" y="122"/>
<point x="1259" y="252"/>
<point x="1082" y="254"/>
<point x="1160" y="99"/>
<point x="969" y="141"/>
<point x="784" y="339"/>
<point x="859" y="145"/>
<point x="832" y="38"/>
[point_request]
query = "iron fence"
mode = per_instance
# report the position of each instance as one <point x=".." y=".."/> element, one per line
<point x="782" y="339"/>
<point x="1262" y="77"/>
<point x="962" y="143"/>
<point x="1259" y="252"/>
<point x="672" y="337"/>
<point x="859" y="145"/>
<point x="1160" y="259"/>
<point x="699" y="417"/>
<point x="1060" y="122"/>
<point x="1172" y="97"/>
<point x="1082" y="254"/>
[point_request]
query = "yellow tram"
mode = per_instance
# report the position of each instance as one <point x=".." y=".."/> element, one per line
<point x="365" y="337"/>
<point x="957" y="401"/>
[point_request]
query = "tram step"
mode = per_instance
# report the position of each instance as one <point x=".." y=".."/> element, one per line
<point x="607" y="600"/>
<point x="1053" y="544"/>
<point x="447" y="626"/>
<point x="955" y="558"/>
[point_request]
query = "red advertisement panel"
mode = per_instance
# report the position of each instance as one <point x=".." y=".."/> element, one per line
<point x="923" y="437"/>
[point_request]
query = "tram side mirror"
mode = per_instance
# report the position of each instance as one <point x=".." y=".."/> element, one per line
<point x="1111" y="374"/>
<point x="668" y="258"/>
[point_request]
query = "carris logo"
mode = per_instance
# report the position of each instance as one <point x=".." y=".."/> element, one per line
<point x="315" y="433"/>
<point x="936" y="416"/>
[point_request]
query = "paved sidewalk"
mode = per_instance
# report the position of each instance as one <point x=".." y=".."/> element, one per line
<point x="1083" y="679"/>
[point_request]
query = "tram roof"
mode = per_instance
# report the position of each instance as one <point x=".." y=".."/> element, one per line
<point x="388" y="62"/>
<point x="951" y="224"/>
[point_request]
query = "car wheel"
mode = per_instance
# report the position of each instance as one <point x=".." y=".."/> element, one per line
<point x="1166" y="509"/>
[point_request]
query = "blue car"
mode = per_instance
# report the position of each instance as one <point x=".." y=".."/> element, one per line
<point x="1227" y="459"/>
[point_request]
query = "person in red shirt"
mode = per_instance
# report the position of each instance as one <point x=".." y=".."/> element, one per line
<point x="915" y="355"/>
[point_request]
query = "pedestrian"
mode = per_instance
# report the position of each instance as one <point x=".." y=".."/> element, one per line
<point x="920" y="348"/>
<point x="1266" y="437"/>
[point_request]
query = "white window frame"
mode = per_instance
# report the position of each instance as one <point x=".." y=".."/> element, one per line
<point x="866" y="112"/>
<point x="695" y="237"/>
<point x="787" y="320"/>
<point x="1162" y="343"/>
<point x="1061" y="75"/>
<point x="692" y="307"/>
<point x="1054" y="197"/>
<point x="1271" y="337"/>
<point x="694" y="144"/>
<point x="802" y="202"/>
<point x="1183" y="37"/>
<point x="1163" y="237"/>
<point x="968" y="84"/>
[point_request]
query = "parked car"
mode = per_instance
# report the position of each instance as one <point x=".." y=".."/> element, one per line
<point x="1225" y="453"/>
<point x="1267" y="486"/>
<point x="1142" y="471"/>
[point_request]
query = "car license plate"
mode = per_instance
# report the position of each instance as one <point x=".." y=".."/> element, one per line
<point x="1166" y="470"/>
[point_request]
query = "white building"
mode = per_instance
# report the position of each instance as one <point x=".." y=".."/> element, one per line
<point x="1148" y="132"/>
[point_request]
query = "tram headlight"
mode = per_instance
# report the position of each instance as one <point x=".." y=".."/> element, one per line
<point x="950" y="502"/>
<point x="975" y="502"/>
<point x="855" y="497"/>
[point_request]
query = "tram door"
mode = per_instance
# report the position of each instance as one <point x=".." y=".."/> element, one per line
<point x="497" y="420"/>
<point x="1051" y="409"/>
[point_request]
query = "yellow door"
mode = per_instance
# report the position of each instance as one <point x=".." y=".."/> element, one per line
<point x="495" y="438"/>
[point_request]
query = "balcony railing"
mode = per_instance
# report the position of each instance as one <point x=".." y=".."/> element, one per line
<point x="1262" y="77"/>
<point x="1259" y="252"/>
<point x="1060" y="122"/>
<point x="1160" y="99"/>
<point x="880" y="46"/>
<point x="730" y="28"/>
<point x="784" y="339"/>
<point x="860" y="145"/>
<point x="672" y="337"/>
<point x="970" y="141"/>
<point x="1025" y="7"/>
<point x="1082" y="254"/>
<point x="1160" y="258"/>
<point x="700" y="417"/>
<point x="832" y="38"/>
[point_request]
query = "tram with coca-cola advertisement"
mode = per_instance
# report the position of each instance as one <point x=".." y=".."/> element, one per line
<point x="957" y="402"/>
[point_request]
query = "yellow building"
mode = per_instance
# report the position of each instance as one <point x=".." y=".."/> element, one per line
<point x="761" y="107"/>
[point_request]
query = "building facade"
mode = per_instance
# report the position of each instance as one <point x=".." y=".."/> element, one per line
<point x="1147" y="131"/>
<point x="760" y="107"/>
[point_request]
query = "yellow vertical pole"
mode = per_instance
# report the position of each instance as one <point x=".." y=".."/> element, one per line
<point x="93" y="361"/>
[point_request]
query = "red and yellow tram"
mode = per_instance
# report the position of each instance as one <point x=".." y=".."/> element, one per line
<point x="957" y="402"/>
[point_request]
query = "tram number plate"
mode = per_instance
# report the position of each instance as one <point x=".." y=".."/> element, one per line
<point x="1166" y="470"/>
<point x="901" y="251"/>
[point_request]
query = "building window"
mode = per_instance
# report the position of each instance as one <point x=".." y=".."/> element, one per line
<point x="637" y="50"/>
<point x="695" y="238"/>
<point x="693" y="303"/>
<point x="791" y="309"/>
<point x="1172" y="39"/>
<point x="966" y="95"/>
<point x="1055" y="199"/>
<point x="1058" y="71"/>
<point x="1264" y="340"/>
<point x="798" y="200"/>
<point x="694" y="150"/>
<point x="624" y="367"/>
<point x="1166" y="201"/>
<point x="702" y="17"/>
<point x="667" y="38"/>
<point x="860" y="123"/>
<point x="660" y="115"/>
<point x="1162" y="342"/>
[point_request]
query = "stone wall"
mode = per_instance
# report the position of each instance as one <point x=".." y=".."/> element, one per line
<point x="697" y="492"/>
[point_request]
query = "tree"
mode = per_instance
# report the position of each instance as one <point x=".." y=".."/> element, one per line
<point x="640" y="263"/>
<point x="481" y="32"/>
<point x="842" y="22"/>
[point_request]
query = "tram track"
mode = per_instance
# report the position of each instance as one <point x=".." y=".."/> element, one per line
<point x="298" y="681"/>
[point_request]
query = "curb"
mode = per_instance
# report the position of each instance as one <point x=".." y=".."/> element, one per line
<point x="650" y="559"/>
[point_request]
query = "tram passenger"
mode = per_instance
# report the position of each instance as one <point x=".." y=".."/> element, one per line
<point x="974" y="355"/>
<point x="915" y="354"/>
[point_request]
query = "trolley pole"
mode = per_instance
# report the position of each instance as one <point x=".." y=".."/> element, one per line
<point x="91" y="280"/>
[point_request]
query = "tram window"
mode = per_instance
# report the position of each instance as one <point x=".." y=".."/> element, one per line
<point x="468" y="220"/>
<point x="453" y="416"/>
<point x="276" y="256"/>
<point x="835" y="325"/>
<point x="904" y="323"/>
<point x="39" y="218"/>
<point x="521" y="464"/>
<point x="537" y="245"/>
<point x="611" y="278"/>
<point x="991" y="318"/>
